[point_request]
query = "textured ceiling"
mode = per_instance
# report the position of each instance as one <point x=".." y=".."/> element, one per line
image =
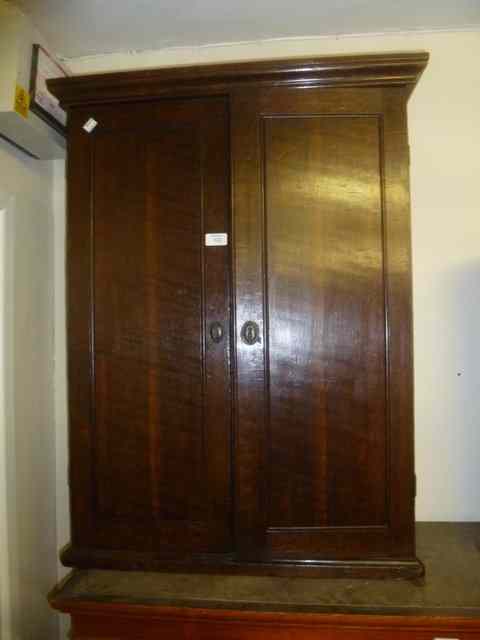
<point x="84" y="27"/>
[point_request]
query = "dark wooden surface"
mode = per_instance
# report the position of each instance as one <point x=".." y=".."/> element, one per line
<point x="305" y="462"/>
<point x="150" y="393"/>
<point x="446" y="604"/>
<point x="127" y="623"/>
<point x="324" y="438"/>
<point x="326" y="321"/>
<point x="384" y="69"/>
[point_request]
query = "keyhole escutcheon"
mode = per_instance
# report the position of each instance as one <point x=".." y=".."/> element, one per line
<point x="250" y="333"/>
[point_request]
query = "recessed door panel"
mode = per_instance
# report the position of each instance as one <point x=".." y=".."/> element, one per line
<point x="148" y="324"/>
<point x="326" y="322"/>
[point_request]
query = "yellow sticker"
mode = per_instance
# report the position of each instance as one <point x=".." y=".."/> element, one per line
<point x="22" y="101"/>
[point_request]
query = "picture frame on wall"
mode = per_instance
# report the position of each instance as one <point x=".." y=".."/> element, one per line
<point x="42" y="102"/>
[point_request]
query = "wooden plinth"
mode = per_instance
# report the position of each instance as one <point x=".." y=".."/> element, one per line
<point x="128" y="605"/>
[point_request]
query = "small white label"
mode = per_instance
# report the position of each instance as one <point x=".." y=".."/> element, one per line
<point x="216" y="239"/>
<point x="90" y="125"/>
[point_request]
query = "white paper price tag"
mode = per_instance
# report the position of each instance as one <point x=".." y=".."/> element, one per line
<point x="90" y="125"/>
<point x="216" y="239"/>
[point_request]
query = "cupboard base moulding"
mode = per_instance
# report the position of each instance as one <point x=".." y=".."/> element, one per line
<point x="378" y="568"/>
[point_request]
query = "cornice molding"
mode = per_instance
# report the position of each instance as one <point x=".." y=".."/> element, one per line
<point x="334" y="71"/>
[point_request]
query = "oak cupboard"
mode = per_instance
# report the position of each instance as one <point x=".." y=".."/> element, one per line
<point x="239" y="318"/>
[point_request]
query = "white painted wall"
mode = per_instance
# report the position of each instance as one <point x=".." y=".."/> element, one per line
<point x="445" y="170"/>
<point x="28" y="545"/>
<point x="28" y="537"/>
<point x="60" y="373"/>
<point x="6" y="206"/>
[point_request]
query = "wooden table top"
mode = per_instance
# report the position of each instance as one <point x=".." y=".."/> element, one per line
<point x="451" y="586"/>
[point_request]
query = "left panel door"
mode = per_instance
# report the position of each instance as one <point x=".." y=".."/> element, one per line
<point x="149" y="381"/>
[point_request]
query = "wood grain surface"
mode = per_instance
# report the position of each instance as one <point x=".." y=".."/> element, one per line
<point x="289" y="454"/>
<point x="324" y="422"/>
<point x="153" y="467"/>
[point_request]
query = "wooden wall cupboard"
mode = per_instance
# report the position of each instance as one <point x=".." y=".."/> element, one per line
<point x="246" y="405"/>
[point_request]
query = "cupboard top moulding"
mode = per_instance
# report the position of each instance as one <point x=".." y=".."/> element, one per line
<point x="391" y="69"/>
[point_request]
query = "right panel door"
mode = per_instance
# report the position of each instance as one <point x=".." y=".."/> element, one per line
<point x="324" y="435"/>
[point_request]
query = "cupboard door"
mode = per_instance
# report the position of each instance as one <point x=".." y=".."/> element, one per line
<point x="324" y="459"/>
<point x="150" y="382"/>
